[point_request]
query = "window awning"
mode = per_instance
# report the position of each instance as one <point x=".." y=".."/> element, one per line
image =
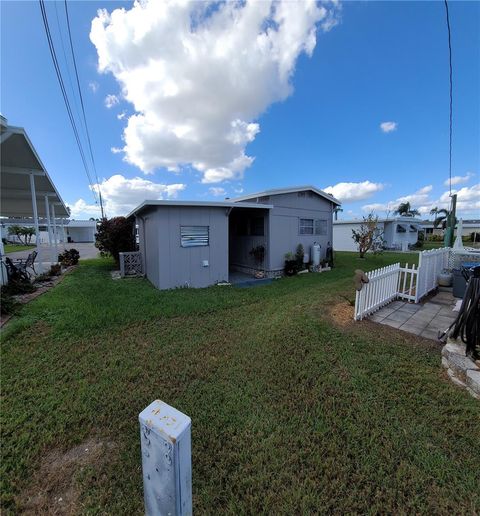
<point x="414" y="228"/>
<point x="19" y="161"/>
<point x="401" y="228"/>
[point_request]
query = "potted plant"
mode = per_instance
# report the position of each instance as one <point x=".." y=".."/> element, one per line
<point x="290" y="264"/>
<point x="445" y="278"/>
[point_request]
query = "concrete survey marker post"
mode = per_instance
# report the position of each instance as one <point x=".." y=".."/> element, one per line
<point x="166" y="460"/>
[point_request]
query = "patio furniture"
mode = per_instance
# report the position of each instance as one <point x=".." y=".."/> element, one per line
<point x="16" y="273"/>
<point x="27" y="263"/>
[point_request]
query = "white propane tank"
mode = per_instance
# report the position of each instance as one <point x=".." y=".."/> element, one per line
<point x="316" y="254"/>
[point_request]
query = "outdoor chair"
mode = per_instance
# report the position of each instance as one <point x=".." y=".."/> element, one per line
<point x="16" y="273"/>
<point x="27" y="263"/>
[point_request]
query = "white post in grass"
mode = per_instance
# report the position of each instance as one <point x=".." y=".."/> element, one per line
<point x="166" y="460"/>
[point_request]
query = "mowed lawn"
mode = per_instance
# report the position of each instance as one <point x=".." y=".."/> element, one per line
<point x="13" y="248"/>
<point x="295" y="408"/>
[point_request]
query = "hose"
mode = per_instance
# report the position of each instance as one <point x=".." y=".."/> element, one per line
<point x="467" y="324"/>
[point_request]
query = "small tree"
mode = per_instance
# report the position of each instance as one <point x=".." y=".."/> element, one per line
<point x="405" y="210"/>
<point x="115" y="235"/>
<point x="28" y="233"/>
<point x="299" y="254"/>
<point x="22" y="231"/>
<point x="368" y="236"/>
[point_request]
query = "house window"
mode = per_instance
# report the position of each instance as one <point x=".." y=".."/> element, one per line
<point x="320" y="227"/>
<point x="401" y="228"/>
<point x="256" y="226"/>
<point x="194" y="236"/>
<point x="306" y="227"/>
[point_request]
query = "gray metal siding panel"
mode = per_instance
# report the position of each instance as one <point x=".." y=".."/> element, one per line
<point x="151" y="247"/>
<point x="284" y="226"/>
<point x="182" y="266"/>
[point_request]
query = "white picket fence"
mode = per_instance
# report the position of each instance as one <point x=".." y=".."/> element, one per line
<point x="430" y="264"/>
<point x="382" y="287"/>
<point x="396" y="282"/>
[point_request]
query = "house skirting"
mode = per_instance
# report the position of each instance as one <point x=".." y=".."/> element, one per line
<point x="245" y="269"/>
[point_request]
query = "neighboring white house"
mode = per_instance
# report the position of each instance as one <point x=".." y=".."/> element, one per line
<point x="398" y="233"/>
<point x="469" y="227"/>
<point x="67" y="230"/>
<point x="80" y="230"/>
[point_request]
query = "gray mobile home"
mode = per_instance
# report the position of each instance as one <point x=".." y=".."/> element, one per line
<point x="197" y="244"/>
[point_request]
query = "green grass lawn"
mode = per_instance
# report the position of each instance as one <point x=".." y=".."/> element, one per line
<point x="12" y="248"/>
<point x="295" y="409"/>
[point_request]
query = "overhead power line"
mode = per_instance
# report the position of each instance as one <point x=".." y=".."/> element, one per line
<point x="83" y="109"/>
<point x="451" y="95"/>
<point x="61" y="83"/>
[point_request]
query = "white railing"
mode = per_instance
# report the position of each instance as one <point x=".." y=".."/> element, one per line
<point x="408" y="283"/>
<point x="382" y="287"/>
<point x="430" y="265"/>
<point x="464" y="254"/>
<point x="130" y="264"/>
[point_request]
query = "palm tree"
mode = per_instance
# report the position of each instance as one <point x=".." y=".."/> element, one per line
<point x="405" y="210"/>
<point x="336" y="210"/>
<point x="441" y="217"/>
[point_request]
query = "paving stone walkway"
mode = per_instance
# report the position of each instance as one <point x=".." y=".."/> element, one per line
<point x="426" y="319"/>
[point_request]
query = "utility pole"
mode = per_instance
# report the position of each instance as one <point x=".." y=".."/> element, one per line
<point x="451" y="220"/>
<point x="101" y="203"/>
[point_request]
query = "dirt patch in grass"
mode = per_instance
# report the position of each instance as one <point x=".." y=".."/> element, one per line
<point x="341" y="314"/>
<point x="55" y="487"/>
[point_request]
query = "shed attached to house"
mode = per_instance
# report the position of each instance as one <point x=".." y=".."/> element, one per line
<point x="197" y="244"/>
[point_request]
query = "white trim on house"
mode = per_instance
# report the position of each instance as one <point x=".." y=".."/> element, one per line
<point x="214" y="204"/>
<point x="279" y="191"/>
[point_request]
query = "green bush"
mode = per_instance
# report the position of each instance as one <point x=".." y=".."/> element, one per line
<point x="55" y="270"/>
<point x="7" y="303"/>
<point x="299" y="257"/>
<point x="18" y="287"/>
<point x="115" y="236"/>
<point x="69" y="257"/>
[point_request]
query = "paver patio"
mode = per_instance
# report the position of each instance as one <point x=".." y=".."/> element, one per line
<point x="427" y="319"/>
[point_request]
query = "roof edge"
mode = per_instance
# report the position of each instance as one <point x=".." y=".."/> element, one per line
<point x="292" y="189"/>
<point x="197" y="204"/>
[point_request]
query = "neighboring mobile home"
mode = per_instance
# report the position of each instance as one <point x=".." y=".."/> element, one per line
<point x="197" y="244"/>
<point x="398" y="233"/>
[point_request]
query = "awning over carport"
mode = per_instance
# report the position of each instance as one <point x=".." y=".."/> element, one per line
<point x="25" y="186"/>
<point x="20" y="164"/>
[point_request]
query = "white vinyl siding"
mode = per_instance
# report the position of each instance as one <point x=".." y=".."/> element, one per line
<point x="194" y="236"/>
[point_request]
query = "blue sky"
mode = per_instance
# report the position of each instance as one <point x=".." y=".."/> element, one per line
<point x="243" y="121"/>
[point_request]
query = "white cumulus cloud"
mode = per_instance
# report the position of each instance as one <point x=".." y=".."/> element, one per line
<point x="199" y="74"/>
<point x="93" y="86"/>
<point x="349" y="192"/>
<point x="421" y="196"/>
<point x="111" y="100"/>
<point x="458" y="180"/>
<point x="121" y="195"/>
<point x="80" y="209"/>
<point x="217" y="191"/>
<point x="468" y="201"/>
<point x="388" y="127"/>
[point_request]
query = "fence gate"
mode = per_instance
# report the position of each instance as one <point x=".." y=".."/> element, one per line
<point x="408" y="283"/>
